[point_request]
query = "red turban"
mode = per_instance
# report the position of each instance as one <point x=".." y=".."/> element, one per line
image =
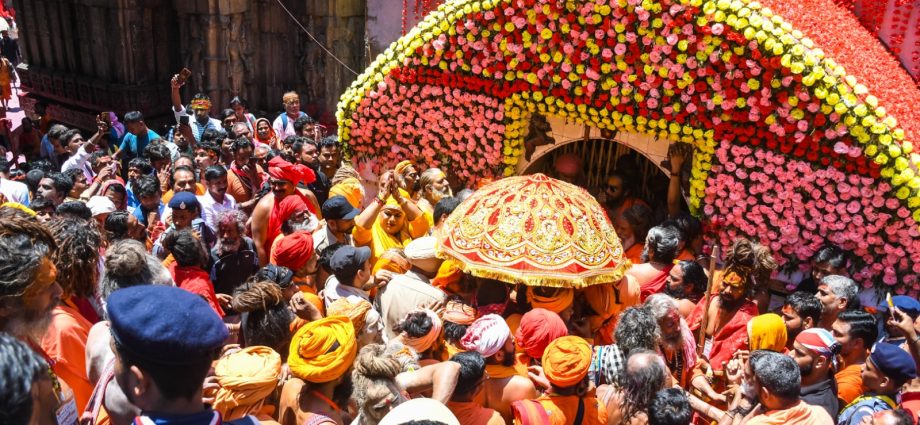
<point x="294" y="250"/>
<point x="295" y="173"/>
<point x="281" y="212"/>
<point x="538" y="328"/>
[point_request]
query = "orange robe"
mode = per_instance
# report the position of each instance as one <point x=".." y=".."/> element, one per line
<point x="849" y="384"/>
<point x="562" y="410"/>
<point x="65" y="343"/>
<point x="470" y="413"/>
<point x="634" y="253"/>
<point x="800" y="414"/>
<point x="731" y="337"/>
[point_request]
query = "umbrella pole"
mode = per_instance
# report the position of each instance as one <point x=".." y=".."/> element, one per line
<point x="707" y="299"/>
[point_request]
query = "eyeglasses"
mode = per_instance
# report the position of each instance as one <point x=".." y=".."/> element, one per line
<point x="613" y="188"/>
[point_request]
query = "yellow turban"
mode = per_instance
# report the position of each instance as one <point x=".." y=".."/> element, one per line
<point x="323" y="350"/>
<point x="557" y="303"/>
<point x="767" y="332"/>
<point x="566" y="361"/>
<point x="449" y="273"/>
<point x="351" y="189"/>
<point x="402" y="166"/>
<point x="356" y="312"/>
<point x="246" y="378"/>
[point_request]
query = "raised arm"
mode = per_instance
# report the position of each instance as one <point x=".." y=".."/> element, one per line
<point x="676" y="156"/>
<point x="441" y="378"/>
<point x="369" y="214"/>
<point x="176" y="97"/>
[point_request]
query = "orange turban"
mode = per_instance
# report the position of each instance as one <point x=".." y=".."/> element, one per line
<point x="402" y="166"/>
<point x="424" y="342"/>
<point x="767" y="332"/>
<point x="323" y="350"/>
<point x="356" y="312"/>
<point x="393" y="261"/>
<point x="459" y="313"/>
<point x="295" y="173"/>
<point x="557" y="303"/>
<point x="246" y="378"/>
<point x="566" y="361"/>
<point x="538" y="328"/>
<point x="351" y="189"/>
<point x="294" y="250"/>
<point x="449" y="273"/>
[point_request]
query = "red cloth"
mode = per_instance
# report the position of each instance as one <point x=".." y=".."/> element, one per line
<point x="196" y="281"/>
<point x="910" y="401"/>
<point x="731" y="338"/>
<point x="538" y="328"/>
<point x="655" y="285"/>
<point x="294" y="250"/>
<point x="294" y="173"/>
<point x="105" y="186"/>
<point x="281" y="212"/>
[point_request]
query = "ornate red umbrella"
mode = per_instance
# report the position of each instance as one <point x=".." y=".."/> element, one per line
<point x="534" y="230"/>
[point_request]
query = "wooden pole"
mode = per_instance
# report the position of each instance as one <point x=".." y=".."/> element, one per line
<point x="713" y="259"/>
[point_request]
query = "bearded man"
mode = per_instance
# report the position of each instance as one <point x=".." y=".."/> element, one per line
<point x="491" y="337"/>
<point x="309" y="156"/>
<point x="434" y="187"/>
<point x="233" y="258"/>
<point x="29" y="291"/>
<point x="728" y="314"/>
<point x="815" y="351"/>
<point x="408" y="179"/>
<point x="266" y="220"/>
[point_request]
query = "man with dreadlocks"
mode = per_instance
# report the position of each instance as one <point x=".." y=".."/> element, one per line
<point x="29" y="289"/>
<point x="730" y="307"/>
<point x="64" y="342"/>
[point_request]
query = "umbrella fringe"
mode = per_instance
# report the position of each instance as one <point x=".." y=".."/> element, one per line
<point x="515" y="277"/>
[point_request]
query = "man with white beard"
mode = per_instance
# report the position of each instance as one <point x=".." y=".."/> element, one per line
<point x="676" y="346"/>
<point x="233" y="258"/>
<point x="434" y="187"/>
<point x="29" y="292"/>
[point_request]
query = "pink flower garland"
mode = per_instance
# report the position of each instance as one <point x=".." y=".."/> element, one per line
<point x="797" y="207"/>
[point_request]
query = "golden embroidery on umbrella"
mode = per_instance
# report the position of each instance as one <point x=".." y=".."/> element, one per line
<point x="534" y="230"/>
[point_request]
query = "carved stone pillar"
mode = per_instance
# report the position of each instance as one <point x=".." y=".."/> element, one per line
<point x="83" y="57"/>
<point x="216" y="38"/>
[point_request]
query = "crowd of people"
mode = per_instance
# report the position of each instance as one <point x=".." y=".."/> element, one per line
<point x="236" y="270"/>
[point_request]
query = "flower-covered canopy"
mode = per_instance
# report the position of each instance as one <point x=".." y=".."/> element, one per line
<point x="794" y="126"/>
<point x="534" y="230"/>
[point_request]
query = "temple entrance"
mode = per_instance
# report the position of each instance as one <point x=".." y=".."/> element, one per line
<point x="602" y="157"/>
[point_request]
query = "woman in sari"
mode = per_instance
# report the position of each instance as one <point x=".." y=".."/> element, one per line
<point x="264" y="135"/>
<point x="390" y="221"/>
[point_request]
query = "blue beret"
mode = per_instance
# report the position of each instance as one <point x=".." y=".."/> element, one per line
<point x="164" y="325"/>
<point x="893" y="361"/>
<point x="908" y="305"/>
<point x="184" y="201"/>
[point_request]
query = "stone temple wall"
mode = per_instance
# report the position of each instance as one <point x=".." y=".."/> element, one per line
<point x="82" y="57"/>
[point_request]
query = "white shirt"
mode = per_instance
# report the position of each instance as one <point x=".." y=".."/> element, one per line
<point x="283" y="132"/>
<point x="78" y="160"/>
<point x="211" y="208"/>
<point x="15" y="191"/>
<point x="404" y="293"/>
<point x="334" y="290"/>
<point x="197" y="129"/>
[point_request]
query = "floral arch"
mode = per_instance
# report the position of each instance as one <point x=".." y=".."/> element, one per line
<point x="796" y="138"/>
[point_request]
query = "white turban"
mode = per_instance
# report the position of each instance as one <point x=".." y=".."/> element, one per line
<point x="487" y="335"/>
